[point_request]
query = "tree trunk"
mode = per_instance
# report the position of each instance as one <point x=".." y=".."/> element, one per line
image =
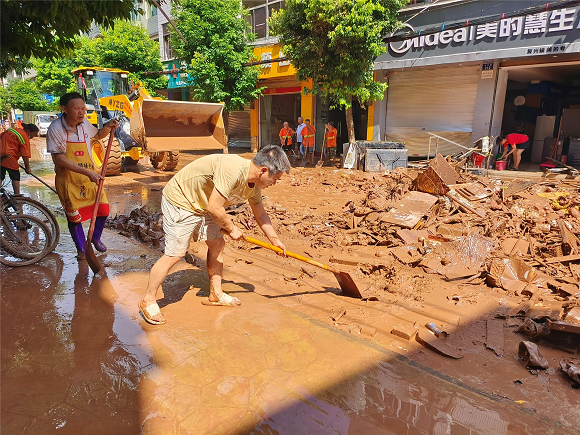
<point x="350" y="125"/>
<point x="226" y="116"/>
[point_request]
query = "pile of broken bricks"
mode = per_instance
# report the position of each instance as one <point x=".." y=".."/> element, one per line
<point x="141" y="224"/>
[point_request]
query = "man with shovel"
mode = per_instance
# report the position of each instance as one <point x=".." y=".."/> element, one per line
<point x="69" y="140"/>
<point x="193" y="205"/>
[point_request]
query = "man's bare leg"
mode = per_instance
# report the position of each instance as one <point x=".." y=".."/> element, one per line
<point x="16" y="187"/>
<point x="157" y="275"/>
<point x="215" y="269"/>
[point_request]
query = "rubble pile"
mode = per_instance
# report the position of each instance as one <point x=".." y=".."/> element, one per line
<point x="517" y="236"/>
<point x="141" y="224"/>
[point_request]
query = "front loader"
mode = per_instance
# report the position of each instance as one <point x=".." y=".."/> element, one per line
<point x="148" y="126"/>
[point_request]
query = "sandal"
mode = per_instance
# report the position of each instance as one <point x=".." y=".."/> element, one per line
<point x="224" y="301"/>
<point x="148" y="312"/>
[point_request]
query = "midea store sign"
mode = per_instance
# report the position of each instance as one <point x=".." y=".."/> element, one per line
<point x="541" y="24"/>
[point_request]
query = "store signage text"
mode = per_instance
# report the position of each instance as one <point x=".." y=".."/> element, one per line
<point x="535" y="24"/>
<point x="558" y="48"/>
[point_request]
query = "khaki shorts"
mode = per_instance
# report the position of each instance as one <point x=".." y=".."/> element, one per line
<point x="180" y="226"/>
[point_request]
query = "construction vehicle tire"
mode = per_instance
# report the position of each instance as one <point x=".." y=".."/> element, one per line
<point x="164" y="160"/>
<point x="115" y="156"/>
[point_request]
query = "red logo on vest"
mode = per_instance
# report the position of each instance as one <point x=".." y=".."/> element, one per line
<point x="79" y="153"/>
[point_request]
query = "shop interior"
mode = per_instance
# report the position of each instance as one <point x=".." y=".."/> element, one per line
<point x="274" y="111"/>
<point x="543" y="102"/>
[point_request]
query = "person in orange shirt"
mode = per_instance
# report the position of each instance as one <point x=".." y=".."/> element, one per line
<point x="286" y="134"/>
<point x="19" y="123"/>
<point x="15" y="143"/>
<point x="308" y="141"/>
<point x="330" y="142"/>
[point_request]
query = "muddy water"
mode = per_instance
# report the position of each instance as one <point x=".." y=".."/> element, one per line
<point x="78" y="358"/>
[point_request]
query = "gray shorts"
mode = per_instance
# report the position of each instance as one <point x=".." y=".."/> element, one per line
<point x="181" y="226"/>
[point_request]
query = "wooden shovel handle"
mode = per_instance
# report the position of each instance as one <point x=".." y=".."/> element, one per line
<point x="101" y="185"/>
<point x="289" y="254"/>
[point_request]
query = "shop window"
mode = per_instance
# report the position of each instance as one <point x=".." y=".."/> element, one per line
<point x="259" y="11"/>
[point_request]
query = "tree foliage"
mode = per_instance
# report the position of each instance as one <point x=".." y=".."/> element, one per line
<point x="4" y="103"/>
<point x="217" y="35"/>
<point x="54" y="76"/>
<point x="334" y="43"/>
<point x="48" y="28"/>
<point x="127" y="46"/>
<point x="24" y="95"/>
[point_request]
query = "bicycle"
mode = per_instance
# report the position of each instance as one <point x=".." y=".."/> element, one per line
<point x="12" y="204"/>
<point x="24" y="240"/>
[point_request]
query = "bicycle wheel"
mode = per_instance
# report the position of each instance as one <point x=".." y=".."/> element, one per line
<point x="24" y="240"/>
<point x="31" y="207"/>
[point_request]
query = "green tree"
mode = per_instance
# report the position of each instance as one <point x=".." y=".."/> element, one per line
<point x="4" y="103"/>
<point x="85" y="52"/>
<point x="54" y="76"/>
<point x="48" y="28"/>
<point x="24" y="95"/>
<point x="334" y="43"/>
<point x="217" y="37"/>
<point x="128" y="46"/>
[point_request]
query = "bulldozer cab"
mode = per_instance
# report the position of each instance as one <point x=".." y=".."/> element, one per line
<point x="96" y="83"/>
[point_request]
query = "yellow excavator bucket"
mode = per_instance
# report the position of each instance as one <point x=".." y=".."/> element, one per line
<point x="164" y="125"/>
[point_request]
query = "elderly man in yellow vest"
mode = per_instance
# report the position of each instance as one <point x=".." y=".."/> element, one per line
<point x="286" y="134"/>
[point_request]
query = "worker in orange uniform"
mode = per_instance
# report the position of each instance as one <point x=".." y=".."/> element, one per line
<point x="15" y="143"/>
<point x="286" y="134"/>
<point x="308" y="141"/>
<point x="330" y="142"/>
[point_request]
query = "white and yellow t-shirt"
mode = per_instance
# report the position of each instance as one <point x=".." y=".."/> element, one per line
<point x="192" y="186"/>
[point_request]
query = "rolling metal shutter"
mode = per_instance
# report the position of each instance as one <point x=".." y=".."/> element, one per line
<point x="239" y="125"/>
<point x="440" y="100"/>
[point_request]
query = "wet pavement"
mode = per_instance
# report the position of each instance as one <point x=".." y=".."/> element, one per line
<point x="77" y="358"/>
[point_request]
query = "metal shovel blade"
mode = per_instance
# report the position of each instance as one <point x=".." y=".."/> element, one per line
<point x="347" y="284"/>
<point x="92" y="257"/>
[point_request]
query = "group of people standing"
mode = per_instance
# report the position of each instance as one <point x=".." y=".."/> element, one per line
<point x="305" y="140"/>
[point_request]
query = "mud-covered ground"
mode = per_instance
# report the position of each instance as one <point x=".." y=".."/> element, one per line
<point x="327" y="214"/>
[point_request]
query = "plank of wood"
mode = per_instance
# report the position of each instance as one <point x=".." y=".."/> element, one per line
<point x="568" y="237"/>
<point x="495" y="339"/>
<point x="440" y="347"/>
<point x="562" y="259"/>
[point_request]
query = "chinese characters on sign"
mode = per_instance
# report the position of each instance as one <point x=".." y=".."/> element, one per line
<point x="540" y="24"/>
<point x="558" y="48"/>
<point x="487" y="71"/>
<point x="557" y="21"/>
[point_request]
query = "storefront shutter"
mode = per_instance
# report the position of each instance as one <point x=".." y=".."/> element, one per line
<point x="439" y="100"/>
<point x="239" y="125"/>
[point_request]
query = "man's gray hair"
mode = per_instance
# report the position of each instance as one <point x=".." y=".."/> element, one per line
<point x="273" y="158"/>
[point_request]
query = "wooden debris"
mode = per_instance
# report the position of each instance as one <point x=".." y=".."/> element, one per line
<point x="439" y="346"/>
<point x="337" y="314"/>
<point x="495" y="339"/>
<point x="405" y="331"/>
